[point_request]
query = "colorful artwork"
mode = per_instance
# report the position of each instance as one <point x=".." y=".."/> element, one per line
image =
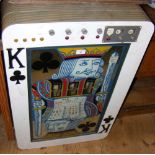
<point x="80" y="68"/>
<point x="69" y="97"/>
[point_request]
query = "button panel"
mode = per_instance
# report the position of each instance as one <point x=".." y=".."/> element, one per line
<point x="121" y="33"/>
<point x="107" y="34"/>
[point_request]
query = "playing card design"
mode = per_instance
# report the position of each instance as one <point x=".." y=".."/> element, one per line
<point x="107" y="124"/>
<point x="67" y="78"/>
<point x="81" y="68"/>
<point x="46" y="62"/>
<point x="15" y="57"/>
<point x="68" y="93"/>
<point x="17" y="77"/>
<point x="69" y="90"/>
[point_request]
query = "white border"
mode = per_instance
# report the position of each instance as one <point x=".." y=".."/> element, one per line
<point x="18" y="93"/>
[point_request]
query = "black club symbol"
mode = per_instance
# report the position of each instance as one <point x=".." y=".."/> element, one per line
<point x="45" y="62"/>
<point x="17" y="77"/>
<point x="108" y="119"/>
<point x="87" y="126"/>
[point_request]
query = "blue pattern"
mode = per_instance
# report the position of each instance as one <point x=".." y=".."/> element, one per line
<point x="80" y="68"/>
<point x="66" y="68"/>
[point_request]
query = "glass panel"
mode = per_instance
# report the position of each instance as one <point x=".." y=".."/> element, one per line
<point x="69" y="92"/>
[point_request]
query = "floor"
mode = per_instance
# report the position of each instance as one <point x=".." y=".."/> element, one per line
<point x="132" y="134"/>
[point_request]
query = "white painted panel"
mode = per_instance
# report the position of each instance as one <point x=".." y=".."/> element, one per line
<point x="19" y="93"/>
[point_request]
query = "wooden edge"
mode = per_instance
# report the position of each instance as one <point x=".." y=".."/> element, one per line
<point x="4" y="102"/>
<point x="78" y="1"/>
<point x="137" y="110"/>
<point x="150" y="13"/>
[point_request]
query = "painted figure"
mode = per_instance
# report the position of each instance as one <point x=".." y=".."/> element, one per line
<point x="73" y="94"/>
<point x="79" y="68"/>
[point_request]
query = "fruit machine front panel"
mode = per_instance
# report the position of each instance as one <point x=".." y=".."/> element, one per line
<point x="70" y="87"/>
<point x="68" y="71"/>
